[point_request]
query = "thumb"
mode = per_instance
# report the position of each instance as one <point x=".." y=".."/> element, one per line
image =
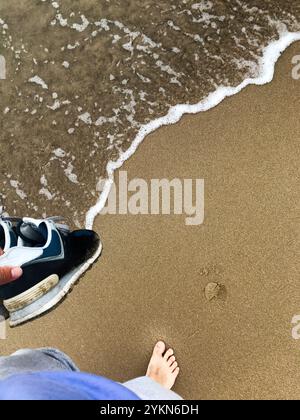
<point x="8" y="274"/>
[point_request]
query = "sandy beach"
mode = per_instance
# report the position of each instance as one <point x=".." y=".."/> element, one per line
<point x="149" y="283"/>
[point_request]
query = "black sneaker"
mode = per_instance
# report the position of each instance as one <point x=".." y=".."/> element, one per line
<point x="52" y="259"/>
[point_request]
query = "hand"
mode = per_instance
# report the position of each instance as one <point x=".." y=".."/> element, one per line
<point x="8" y="274"/>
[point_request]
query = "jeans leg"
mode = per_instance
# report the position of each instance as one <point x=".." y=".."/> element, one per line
<point x="147" y="389"/>
<point x="28" y="361"/>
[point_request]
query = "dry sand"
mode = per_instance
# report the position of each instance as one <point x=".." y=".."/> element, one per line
<point x="149" y="282"/>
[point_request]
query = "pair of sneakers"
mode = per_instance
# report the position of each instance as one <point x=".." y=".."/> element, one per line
<point x="52" y="259"/>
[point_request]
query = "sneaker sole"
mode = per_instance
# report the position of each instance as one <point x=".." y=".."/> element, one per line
<point x="24" y="299"/>
<point x="45" y="295"/>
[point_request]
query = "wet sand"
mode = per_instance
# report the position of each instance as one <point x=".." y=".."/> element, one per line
<point x="149" y="283"/>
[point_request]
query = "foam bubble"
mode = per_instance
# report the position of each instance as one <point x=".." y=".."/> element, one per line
<point x="38" y="81"/>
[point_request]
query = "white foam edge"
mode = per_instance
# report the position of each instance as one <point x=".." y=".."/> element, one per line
<point x="267" y="63"/>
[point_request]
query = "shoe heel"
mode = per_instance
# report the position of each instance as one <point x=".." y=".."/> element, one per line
<point x="24" y="299"/>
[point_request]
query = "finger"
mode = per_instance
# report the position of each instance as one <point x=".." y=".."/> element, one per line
<point x="1" y="252"/>
<point x="8" y="274"/>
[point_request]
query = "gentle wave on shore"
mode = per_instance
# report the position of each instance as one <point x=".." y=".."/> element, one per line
<point x="86" y="82"/>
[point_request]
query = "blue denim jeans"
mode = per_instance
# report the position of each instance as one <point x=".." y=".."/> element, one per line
<point x="49" y="359"/>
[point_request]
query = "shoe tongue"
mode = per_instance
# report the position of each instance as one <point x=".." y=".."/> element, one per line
<point x="33" y="235"/>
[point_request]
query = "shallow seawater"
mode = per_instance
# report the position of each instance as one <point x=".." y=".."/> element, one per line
<point x="82" y="77"/>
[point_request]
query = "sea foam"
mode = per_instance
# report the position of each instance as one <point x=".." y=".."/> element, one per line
<point x="267" y="63"/>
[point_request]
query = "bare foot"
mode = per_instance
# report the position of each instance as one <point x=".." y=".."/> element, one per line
<point x="163" y="367"/>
